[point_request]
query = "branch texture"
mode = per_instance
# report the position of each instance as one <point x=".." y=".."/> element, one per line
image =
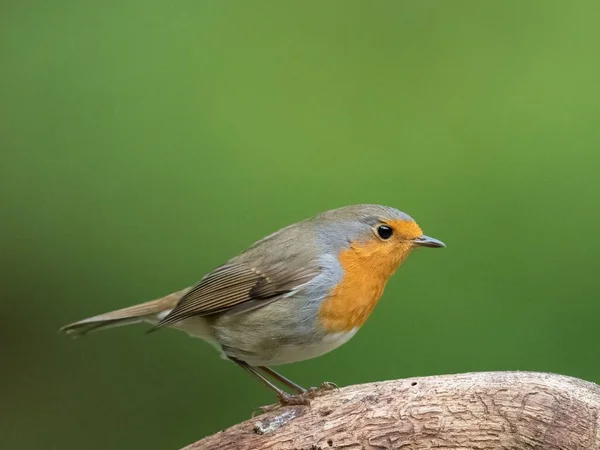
<point x="488" y="410"/>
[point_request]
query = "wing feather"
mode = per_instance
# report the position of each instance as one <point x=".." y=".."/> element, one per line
<point x="235" y="284"/>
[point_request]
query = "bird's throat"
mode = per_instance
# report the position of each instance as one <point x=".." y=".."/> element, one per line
<point x="366" y="272"/>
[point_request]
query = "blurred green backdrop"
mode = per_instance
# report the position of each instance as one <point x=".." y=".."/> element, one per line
<point x="145" y="142"/>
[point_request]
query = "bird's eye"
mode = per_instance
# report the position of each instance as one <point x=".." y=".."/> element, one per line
<point x="384" y="231"/>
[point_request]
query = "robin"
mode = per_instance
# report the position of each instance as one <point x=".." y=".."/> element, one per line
<point x="294" y="295"/>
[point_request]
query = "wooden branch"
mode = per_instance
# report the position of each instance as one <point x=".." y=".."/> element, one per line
<point x="488" y="410"/>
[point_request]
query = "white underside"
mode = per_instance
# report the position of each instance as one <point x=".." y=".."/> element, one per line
<point x="293" y="353"/>
<point x="284" y="354"/>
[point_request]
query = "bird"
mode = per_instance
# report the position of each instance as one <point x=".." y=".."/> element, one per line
<point x="294" y="295"/>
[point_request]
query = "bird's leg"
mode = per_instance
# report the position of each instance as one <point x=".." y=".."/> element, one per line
<point x="284" y="397"/>
<point x="289" y="383"/>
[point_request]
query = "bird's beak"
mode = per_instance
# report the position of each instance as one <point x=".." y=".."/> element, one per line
<point x="426" y="241"/>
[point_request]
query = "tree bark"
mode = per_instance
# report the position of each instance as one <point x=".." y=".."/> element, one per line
<point x="488" y="410"/>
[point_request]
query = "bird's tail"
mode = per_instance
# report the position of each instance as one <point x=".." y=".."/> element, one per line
<point x="149" y="311"/>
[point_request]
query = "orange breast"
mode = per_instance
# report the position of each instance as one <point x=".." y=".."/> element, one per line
<point x="366" y="271"/>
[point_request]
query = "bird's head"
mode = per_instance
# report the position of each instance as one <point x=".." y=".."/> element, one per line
<point x="378" y="237"/>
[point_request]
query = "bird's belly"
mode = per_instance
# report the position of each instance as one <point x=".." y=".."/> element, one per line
<point x="278" y="333"/>
<point x="289" y="353"/>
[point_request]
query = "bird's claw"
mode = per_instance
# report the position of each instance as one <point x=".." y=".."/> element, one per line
<point x="298" y="399"/>
<point x="325" y="387"/>
<point x="304" y="398"/>
<point x="286" y="399"/>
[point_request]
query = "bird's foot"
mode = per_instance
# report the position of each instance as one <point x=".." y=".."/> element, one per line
<point x="286" y="399"/>
<point x="317" y="391"/>
<point x="304" y="398"/>
<point x="298" y="399"/>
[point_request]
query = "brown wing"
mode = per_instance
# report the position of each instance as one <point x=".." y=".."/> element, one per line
<point x="238" y="285"/>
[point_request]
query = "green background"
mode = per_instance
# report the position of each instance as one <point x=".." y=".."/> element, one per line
<point x="145" y="142"/>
